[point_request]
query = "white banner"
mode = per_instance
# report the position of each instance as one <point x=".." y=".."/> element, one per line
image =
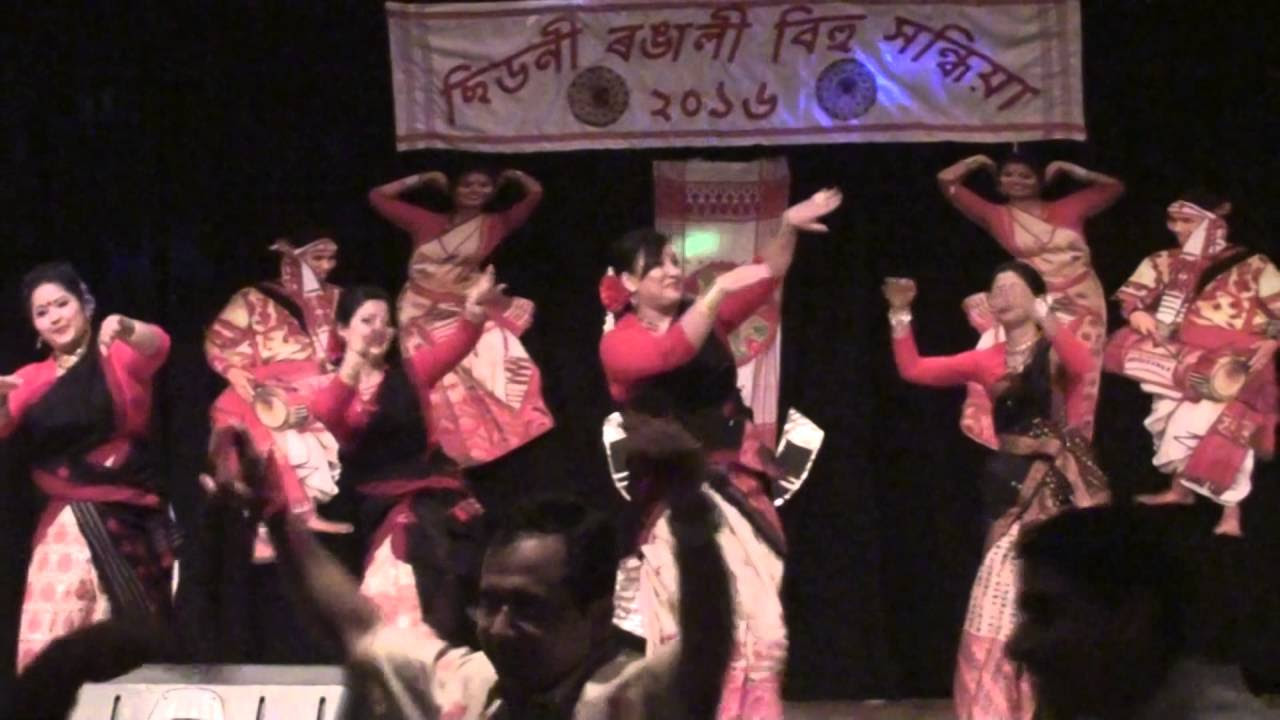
<point x="542" y="75"/>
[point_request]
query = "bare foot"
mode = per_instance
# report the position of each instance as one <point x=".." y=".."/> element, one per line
<point x="315" y="523"/>
<point x="1230" y="522"/>
<point x="1177" y="494"/>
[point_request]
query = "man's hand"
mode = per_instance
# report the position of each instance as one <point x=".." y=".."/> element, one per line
<point x="1144" y="323"/>
<point x="242" y="382"/>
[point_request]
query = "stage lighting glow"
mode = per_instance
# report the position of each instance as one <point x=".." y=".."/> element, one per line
<point x="701" y="243"/>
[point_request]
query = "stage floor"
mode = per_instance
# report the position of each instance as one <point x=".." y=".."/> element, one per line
<point x="871" y="710"/>
<point x="895" y="710"/>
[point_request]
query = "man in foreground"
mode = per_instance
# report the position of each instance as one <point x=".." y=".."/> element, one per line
<point x="544" y="612"/>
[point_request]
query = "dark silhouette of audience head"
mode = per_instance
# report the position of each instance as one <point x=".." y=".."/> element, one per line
<point x="1117" y="602"/>
<point x="47" y="688"/>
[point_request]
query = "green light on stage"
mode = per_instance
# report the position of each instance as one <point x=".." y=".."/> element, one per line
<point x="700" y="244"/>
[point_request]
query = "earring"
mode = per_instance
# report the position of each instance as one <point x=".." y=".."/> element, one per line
<point x="39" y="342"/>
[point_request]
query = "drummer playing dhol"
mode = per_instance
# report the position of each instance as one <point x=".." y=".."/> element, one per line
<point x="1202" y="322"/>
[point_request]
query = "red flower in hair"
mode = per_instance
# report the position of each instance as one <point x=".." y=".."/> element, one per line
<point x="613" y="294"/>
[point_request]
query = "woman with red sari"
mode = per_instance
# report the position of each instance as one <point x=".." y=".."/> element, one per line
<point x="491" y="402"/>
<point x="667" y="356"/>
<point x="77" y="423"/>
<point x="417" y="512"/>
<point x="1048" y="235"/>
<point x="1034" y="380"/>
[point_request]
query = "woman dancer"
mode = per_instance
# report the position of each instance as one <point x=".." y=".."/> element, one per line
<point x="423" y="547"/>
<point x="667" y="357"/>
<point x="1040" y="366"/>
<point x="76" y="422"/>
<point x="491" y="403"/>
<point x="1049" y="236"/>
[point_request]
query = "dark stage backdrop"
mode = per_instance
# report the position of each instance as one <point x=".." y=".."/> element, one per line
<point x="161" y="149"/>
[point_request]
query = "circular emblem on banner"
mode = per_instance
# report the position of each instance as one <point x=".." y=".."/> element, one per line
<point x="846" y="89"/>
<point x="598" y="96"/>
<point x="757" y="332"/>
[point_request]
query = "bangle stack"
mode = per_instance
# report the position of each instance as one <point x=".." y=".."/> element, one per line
<point x="899" y="318"/>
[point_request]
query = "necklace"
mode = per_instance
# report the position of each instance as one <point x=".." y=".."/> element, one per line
<point x="452" y="253"/>
<point x="1016" y="356"/>
<point x="1021" y="348"/>
<point x="1014" y="365"/>
<point x="64" y="362"/>
<point x="1034" y="208"/>
<point x="654" y="321"/>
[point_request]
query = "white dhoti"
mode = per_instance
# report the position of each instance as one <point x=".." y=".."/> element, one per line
<point x="1177" y="426"/>
<point x="313" y="453"/>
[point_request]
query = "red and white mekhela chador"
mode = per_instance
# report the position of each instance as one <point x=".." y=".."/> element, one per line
<point x="700" y="385"/>
<point x="100" y="547"/>
<point x="1046" y="458"/>
<point x="491" y="402"/>
<point x="1052" y="241"/>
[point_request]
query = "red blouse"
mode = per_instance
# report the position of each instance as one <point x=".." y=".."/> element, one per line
<point x="129" y="374"/>
<point x="630" y="352"/>
<point x="345" y="413"/>
<point x="424" y="225"/>
<point x="1068" y="212"/>
<point x="987" y="366"/>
